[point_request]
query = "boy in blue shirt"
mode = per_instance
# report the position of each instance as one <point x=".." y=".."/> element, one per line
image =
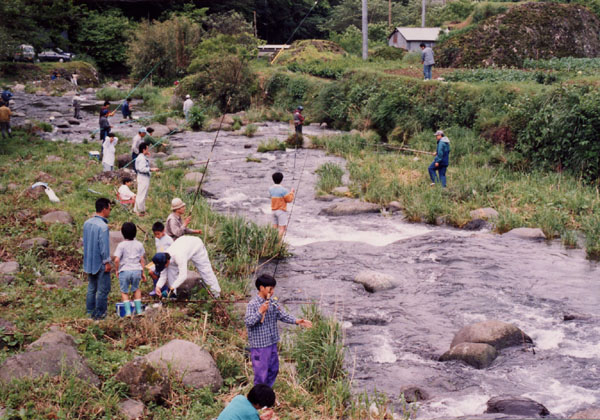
<point x="441" y="160"/>
<point x="242" y="408"/>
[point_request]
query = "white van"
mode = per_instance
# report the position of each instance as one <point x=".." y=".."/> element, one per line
<point x="25" y="53"/>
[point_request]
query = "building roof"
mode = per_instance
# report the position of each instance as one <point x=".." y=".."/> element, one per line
<point x="419" y="34"/>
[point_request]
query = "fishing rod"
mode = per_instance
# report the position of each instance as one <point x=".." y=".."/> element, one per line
<point x="293" y="33"/>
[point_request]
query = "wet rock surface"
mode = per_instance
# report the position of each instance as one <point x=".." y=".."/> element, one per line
<point x="495" y="333"/>
<point x="374" y="281"/>
<point x="526" y="233"/>
<point x="519" y="406"/>
<point x="478" y="355"/>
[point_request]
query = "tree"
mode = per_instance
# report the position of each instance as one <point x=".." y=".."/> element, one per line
<point x="103" y="37"/>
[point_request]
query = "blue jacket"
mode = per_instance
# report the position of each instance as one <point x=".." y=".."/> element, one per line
<point x="125" y="109"/>
<point x="96" y="245"/>
<point x="6" y="95"/>
<point x="443" y="151"/>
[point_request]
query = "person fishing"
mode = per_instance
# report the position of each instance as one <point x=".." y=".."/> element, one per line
<point x="298" y="119"/>
<point x="440" y="162"/>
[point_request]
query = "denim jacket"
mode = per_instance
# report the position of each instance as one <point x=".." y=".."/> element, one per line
<point x="96" y="246"/>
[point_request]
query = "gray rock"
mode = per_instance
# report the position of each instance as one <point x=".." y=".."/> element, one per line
<point x="373" y="281"/>
<point x="52" y="360"/>
<point x="123" y="160"/>
<point x="341" y="190"/>
<point x="203" y="192"/>
<point x="9" y="267"/>
<point x="12" y="186"/>
<point x="476" y="224"/>
<point x="589" y="414"/>
<point x="53" y="158"/>
<point x="60" y="123"/>
<point x="518" y="406"/>
<point x="193" y="365"/>
<point x="57" y="217"/>
<point x="7" y="326"/>
<point x="159" y="130"/>
<point x="526" y="233"/>
<point x="74" y="121"/>
<point x="35" y="193"/>
<point x="394" y="206"/>
<point x="574" y="316"/>
<point x="34" y="243"/>
<point x="324" y="126"/>
<point x="414" y="394"/>
<point x="193" y="176"/>
<point x="132" y="409"/>
<point x="144" y="381"/>
<point x="478" y="355"/>
<point x="495" y="333"/>
<point x="18" y="88"/>
<point x="159" y="155"/>
<point x="115" y="238"/>
<point x="348" y="208"/>
<point x="65" y="280"/>
<point x="53" y="337"/>
<point x="484" y="213"/>
<point x="327" y="197"/>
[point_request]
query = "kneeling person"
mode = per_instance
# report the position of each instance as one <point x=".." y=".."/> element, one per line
<point x="172" y="265"/>
<point x="242" y="408"/>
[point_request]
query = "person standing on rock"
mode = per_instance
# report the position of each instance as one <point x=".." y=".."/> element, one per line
<point x="108" y="152"/>
<point x="135" y="144"/>
<point x="176" y="226"/>
<point x="187" y="105"/>
<point x="96" y="260"/>
<point x="77" y="107"/>
<point x="427" y="61"/>
<point x="298" y="120"/>
<point x="104" y="125"/>
<point x="5" y="120"/>
<point x="126" y="109"/>
<point x="261" y="318"/>
<point x="441" y="160"/>
<point x="142" y="167"/>
<point x="172" y="266"/>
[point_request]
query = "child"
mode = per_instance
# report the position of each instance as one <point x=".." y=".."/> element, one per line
<point x="126" y="196"/>
<point x="242" y="408"/>
<point x="129" y="263"/>
<point x="4" y="120"/>
<point x="261" y="321"/>
<point x="162" y="241"/>
<point x="108" y="152"/>
<point x="279" y="199"/>
<point x="126" y="109"/>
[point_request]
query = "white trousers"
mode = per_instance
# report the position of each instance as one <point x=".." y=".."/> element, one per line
<point x="143" y="184"/>
<point x="202" y="264"/>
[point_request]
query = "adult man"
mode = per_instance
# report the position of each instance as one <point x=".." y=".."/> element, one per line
<point x="142" y="167"/>
<point x="187" y="105"/>
<point x="172" y="265"/>
<point x="96" y="260"/>
<point x="427" y="61"/>
<point x="104" y="124"/>
<point x="176" y="226"/>
<point x="135" y="143"/>
<point x="440" y="162"/>
<point x="298" y="119"/>
<point x="126" y="109"/>
<point x="7" y="96"/>
<point x="4" y="120"/>
<point x="77" y="106"/>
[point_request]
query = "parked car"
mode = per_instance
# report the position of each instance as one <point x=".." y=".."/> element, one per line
<point x="55" y="55"/>
<point x="25" y="53"/>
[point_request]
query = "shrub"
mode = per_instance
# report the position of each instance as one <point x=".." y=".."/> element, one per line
<point x="295" y="140"/>
<point x="330" y="176"/>
<point x="110" y="94"/>
<point x="485" y="10"/>
<point x="388" y="53"/>
<point x="250" y="130"/>
<point x="197" y="118"/>
<point x="270" y="145"/>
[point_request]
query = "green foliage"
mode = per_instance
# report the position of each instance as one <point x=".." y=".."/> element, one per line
<point x="454" y="11"/>
<point x="102" y="36"/>
<point x="250" y="130"/>
<point x="350" y="39"/>
<point x="494" y="75"/>
<point x="564" y="64"/>
<point x="270" y="145"/>
<point x="197" y="117"/>
<point x="387" y="53"/>
<point x="486" y="9"/>
<point x="167" y="45"/>
<point x="592" y="237"/>
<point x="108" y="93"/>
<point x="330" y="176"/>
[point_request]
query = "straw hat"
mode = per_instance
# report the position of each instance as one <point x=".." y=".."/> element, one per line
<point x="177" y="203"/>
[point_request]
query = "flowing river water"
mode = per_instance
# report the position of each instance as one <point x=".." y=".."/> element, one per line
<point x="446" y="279"/>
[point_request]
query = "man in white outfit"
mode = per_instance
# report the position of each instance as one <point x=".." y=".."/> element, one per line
<point x="142" y="167"/>
<point x="173" y="265"/>
<point x="187" y="105"/>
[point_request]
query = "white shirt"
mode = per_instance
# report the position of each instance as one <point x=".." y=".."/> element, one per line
<point x="187" y="105"/>
<point x="135" y="143"/>
<point x="125" y="193"/>
<point x="129" y="254"/>
<point x="108" y="150"/>
<point x="163" y="243"/>
<point x="142" y="166"/>
<point x="182" y="250"/>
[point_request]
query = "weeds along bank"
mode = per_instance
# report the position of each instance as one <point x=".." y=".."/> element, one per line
<point x="312" y="385"/>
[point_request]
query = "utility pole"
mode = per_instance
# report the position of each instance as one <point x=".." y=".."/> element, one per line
<point x="423" y="13"/>
<point x="255" y="28"/>
<point x="365" y="31"/>
<point x="390" y="13"/>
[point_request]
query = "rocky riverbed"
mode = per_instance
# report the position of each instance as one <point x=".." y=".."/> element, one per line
<point x="425" y="283"/>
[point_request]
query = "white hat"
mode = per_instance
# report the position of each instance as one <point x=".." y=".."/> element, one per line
<point x="177" y="203"/>
<point x="187" y="96"/>
<point x="142" y="130"/>
<point x="439" y="133"/>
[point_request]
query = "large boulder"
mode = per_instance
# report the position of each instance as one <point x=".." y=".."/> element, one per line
<point x="374" y="281"/>
<point x="348" y="208"/>
<point x="115" y="238"/>
<point x="34" y="243"/>
<point x="478" y="355"/>
<point x="144" y="381"/>
<point x="517" y="406"/>
<point x="9" y="267"/>
<point x="590" y="413"/>
<point x="57" y="217"/>
<point x="414" y="394"/>
<point x="193" y="365"/>
<point x="159" y="130"/>
<point x="526" y="233"/>
<point x="495" y="333"/>
<point x="132" y="409"/>
<point x="53" y="354"/>
<point x="123" y="160"/>
<point x="484" y="213"/>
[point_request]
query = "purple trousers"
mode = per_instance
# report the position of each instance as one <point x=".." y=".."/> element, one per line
<point x="265" y="362"/>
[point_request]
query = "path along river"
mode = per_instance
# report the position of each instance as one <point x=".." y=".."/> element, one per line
<point x="446" y="279"/>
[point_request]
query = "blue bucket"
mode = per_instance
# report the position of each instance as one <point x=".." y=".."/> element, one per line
<point x="120" y="307"/>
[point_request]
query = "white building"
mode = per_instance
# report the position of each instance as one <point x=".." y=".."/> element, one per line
<point x="411" y="38"/>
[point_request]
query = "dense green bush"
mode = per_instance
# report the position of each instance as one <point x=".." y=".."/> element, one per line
<point x="485" y="10"/>
<point x="387" y="53"/>
<point x="565" y="64"/>
<point x="197" y="118"/>
<point x="500" y="75"/>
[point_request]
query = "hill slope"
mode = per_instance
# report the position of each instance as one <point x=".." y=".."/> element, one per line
<point x="533" y="30"/>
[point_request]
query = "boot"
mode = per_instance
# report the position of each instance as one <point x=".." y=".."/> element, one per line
<point x="127" y="307"/>
<point x="138" y="306"/>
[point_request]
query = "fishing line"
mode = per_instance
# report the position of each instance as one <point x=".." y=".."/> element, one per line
<point x="293" y="33"/>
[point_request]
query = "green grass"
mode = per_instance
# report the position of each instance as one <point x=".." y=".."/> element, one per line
<point x="270" y="145"/>
<point x="250" y="130"/>
<point x="330" y="177"/>
<point x="235" y="245"/>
